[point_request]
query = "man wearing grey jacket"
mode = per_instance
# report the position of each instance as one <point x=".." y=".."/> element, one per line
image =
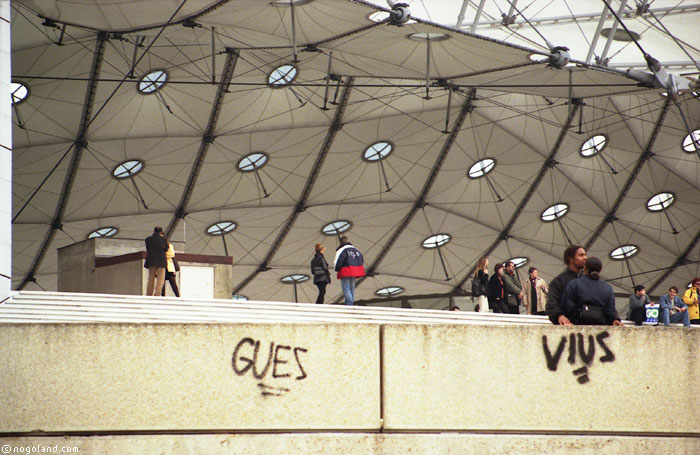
<point x="512" y="288"/>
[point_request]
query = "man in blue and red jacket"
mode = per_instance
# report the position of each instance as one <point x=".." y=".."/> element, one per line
<point x="349" y="264"/>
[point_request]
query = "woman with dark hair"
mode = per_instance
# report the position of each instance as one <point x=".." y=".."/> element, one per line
<point x="319" y="270"/>
<point x="590" y="300"/>
<point x="496" y="291"/>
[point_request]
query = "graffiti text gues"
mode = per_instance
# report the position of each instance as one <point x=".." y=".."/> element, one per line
<point x="275" y="362"/>
<point x="581" y="347"/>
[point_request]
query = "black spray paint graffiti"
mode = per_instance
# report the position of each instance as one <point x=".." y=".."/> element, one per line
<point x="246" y="358"/>
<point x="577" y="344"/>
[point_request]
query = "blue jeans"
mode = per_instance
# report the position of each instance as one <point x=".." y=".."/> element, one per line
<point x="667" y="318"/>
<point x="348" y="285"/>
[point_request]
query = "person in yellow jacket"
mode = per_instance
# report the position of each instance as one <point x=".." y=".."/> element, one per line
<point x="690" y="298"/>
<point x="170" y="270"/>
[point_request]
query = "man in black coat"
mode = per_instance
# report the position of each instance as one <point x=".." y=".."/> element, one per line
<point x="156" y="246"/>
<point x="575" y="259"/>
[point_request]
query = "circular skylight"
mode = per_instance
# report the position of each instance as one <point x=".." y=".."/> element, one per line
<point x="289" y="2"/>
<point x="389" y="291"/>
<point x="294" y="278"/>
<point x="336" y="227"/>
<point x="153" y="81"/>
<point x="481" y="168"/>
<point x="378" y="151"/>
<point x="623" y="252"/>
<point x="554" y="212"/>
<point x="688" y="142"/>
<point x="221" y="228"/>
<point x="239" y="297"/>
<point x="128" y="169"/>
<point x="660" y="202"/>
<point x="594" y="145"/>
<point x="436" y="240"/>
<point x="252" y="162"/>
<point x="428" y="36"/>
<point x="518" y="262"/>
<point x="282" y="76"/>
<point x="19" y="92"/>
<point x="103" y="232"/>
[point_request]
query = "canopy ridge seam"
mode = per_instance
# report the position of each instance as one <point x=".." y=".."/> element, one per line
<point x="467" y="107"/>
<point x="643" y="158"/>
<point x="335" y="126"/>
<point x="207" y="138"/>
<point x="548" y="164"/>
<point x="80" y="144"/>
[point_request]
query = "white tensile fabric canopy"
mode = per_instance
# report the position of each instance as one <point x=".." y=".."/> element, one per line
<point x="433" y="145"/>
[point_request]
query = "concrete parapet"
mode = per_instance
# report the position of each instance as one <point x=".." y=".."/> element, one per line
<point x="359" y="444"/>
<point x="542" y="379"/>
<point x="352" y="388"/>
<point x="175" y="377"/>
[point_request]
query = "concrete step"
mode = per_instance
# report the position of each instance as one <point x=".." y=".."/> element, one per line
<point x="77" y="307"/>
<point x="360" y="444"/>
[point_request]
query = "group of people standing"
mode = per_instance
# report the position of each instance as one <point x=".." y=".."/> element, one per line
<point x="502" y="292"/>
<point x="575" y="296"/>
<point x="348" y="263"/>
<point x="161" y="264"/>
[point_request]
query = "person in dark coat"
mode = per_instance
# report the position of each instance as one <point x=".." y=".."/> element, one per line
<point x="575" y="259"/>
<point x="638" y="302"/>
<point x="590" y="292"/>
<point x="156" y="246"/>
<point x="320" y="272"/>
<point x="496" y="291"/>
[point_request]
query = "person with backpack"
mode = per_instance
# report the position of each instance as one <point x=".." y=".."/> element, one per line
<point x="589" y="300"/>
<point x="479" y="284"/>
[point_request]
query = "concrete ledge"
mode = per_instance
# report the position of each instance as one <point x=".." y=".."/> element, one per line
<point x="541" y="379"/>
<point x="29" y="306"/>
<point x="174" y="377"/>
<point x="359" y="444"/>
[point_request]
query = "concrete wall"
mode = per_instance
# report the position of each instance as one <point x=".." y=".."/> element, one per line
<point x="5" y="154"/>
<point x="430" y="388"/>
<point x="128" y="278"/>
<point x="76" y="267"/>
<point x="77" y="270"/>
<point x="173" y="377"/>
<point x="543" y="378"/>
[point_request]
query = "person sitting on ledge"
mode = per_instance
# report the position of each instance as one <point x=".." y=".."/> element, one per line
<point x="673" y="309"/>
<point x="638" y="302"/>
